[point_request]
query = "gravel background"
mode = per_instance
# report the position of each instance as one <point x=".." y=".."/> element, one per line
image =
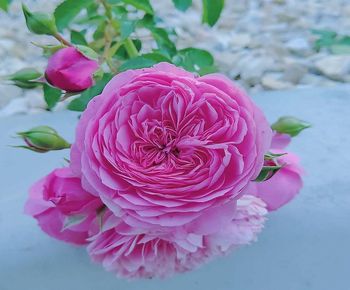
<point x="264" y="45"/>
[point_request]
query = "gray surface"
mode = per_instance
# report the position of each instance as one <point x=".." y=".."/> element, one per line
<point x="305" y="245"/>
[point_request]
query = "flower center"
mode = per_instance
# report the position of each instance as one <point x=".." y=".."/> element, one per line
<point x="157" y="146"/>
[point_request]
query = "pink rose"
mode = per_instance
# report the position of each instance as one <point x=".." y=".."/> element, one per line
<point x="131" y="253"/>
<point x="58" y="199"/>
<point x="70" y="70"/>
<point x="286" y="183"/>
<point x="162" y="145"/>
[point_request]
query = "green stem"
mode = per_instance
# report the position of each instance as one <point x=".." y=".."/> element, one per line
<point x="62" y="40"/>
<point x="130" y="48"/>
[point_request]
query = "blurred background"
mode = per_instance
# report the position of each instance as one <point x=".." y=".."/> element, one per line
<point x="263" y="44"/>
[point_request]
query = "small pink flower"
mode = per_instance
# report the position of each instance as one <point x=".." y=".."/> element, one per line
<point x="132" y="253"/>
<point x="286" y="183"/>
<point x="70" y="70"/>
<point x="58" y="197"/>
<point x="162" y="145"/>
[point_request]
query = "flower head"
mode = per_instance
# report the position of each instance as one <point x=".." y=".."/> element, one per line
<point x="162" y="145"/>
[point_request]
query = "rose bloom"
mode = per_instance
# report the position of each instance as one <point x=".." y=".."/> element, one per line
<point x="286" y="183"/>
<point x="56" y="198"/>
<point x="131" y="253"/>
<point x="70" y="70"/>
<point x="162" y="145"/>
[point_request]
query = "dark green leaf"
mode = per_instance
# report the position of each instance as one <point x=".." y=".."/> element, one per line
<point x="81" y="102"/>
<point x="182" y="5"/>
<point x="212" y="10"/>
<point x="144" y="5"/>
<point x="77" y="37"/>
<point x="51" y="95"/>
<point x="68" y="10"/>
<point x="145" y="60"/>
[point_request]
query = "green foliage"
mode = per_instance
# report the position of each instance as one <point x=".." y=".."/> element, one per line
<point x="39" y="23"/>
<point x="68" y="10"/>
<point x="25" y="78"/>
<point x="212" y="11"/>
<point x="195" y="60"/>
<point x="112" y="39"/>
<point x="51" y="95"/>
<point x="4" y="4"/>
<point x="330" y="40"/>
<point x="182" y="5"/>
<point x="145" y="60"/>
<point x="144" y="5"/>
<point x="78" y="37"/>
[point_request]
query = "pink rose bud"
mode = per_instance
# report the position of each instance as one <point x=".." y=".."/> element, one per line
<point x="63" y="209"/>
<point x="71" y="70"/>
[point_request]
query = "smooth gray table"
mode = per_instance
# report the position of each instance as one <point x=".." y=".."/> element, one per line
<point x="305" y="245"/>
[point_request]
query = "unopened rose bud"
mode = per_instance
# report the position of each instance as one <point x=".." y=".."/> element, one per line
<point x="39" y="23"/>
<point x="290" y="125"/>
<point x="25" y="78"/>
<point x="71" y="69"/>
<point x="43" y="139"/>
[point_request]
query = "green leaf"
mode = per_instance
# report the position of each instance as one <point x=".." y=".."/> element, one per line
<point x="144" y="5"/>
<point x="73" y="220"/>
<point x="163" y="41"/>
<point x="145" y="60"/>
<point x="51" y="95"/>
<point x="68" y="10"/>
<point x="4" y="4"/>
<point x="182" y="5"/>
<point x="80" y="103"/>
<point x="77" y="37"/>
<point x="195" y="60"/>
<point x="290" y="125"/>
<point x="212" y="10"/>
<point x="39" y="23"/>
